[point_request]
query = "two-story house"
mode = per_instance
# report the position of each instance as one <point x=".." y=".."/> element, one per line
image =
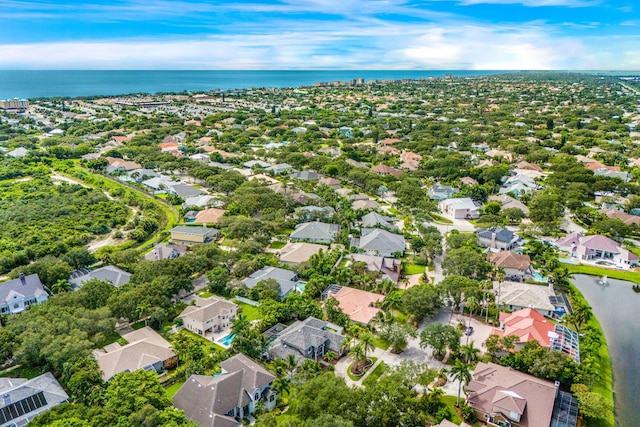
<point x="189" y="236"/>
<point x="497" y="238"/>
<point x="225" y="399"/>
<point x="18" y="294"/>
<point x="209" y="315"/>
<point x="308" y="339"/>
<point x="516" y="267"/>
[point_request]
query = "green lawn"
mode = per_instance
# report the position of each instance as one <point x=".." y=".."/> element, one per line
<point x="603" y="384"/>
<point x="356" y="378"/>
<point x="277" y="245"/>
<point x="173" y="388"/>
<point x="204" y="294"/>
<point x="451" y="404"/>
<point x="22" y="372"/>
<point x="631" y="276"/>
<point x="251" y="312"/>
<point x="381" y="343"/>
<point x="375" y="375"/>
<point x="410" y="269"/>
<point x="440" y="219"/>
<point x="212" y="346"/>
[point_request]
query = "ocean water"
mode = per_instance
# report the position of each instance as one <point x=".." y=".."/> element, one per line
<point x="42" y="84"/>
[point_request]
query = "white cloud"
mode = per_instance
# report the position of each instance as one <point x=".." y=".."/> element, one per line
<point x="536" y="3"/>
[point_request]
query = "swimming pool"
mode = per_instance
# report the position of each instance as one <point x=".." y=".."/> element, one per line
<point x="539" y="277"/>
<point x="227" y="340"/>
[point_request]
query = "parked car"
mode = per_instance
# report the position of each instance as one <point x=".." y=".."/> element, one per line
<point x="469" y="330"/>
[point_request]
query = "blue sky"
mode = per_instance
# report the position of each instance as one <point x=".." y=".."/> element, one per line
<point x="320" y="34"/>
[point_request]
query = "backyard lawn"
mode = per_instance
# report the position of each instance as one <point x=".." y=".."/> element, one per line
<point x="251" y="312"/>
<point x="410" y="269"/>
<point x="631" y="276"/>
<point x="173" y="388"/>
<point x="277" y="245"/>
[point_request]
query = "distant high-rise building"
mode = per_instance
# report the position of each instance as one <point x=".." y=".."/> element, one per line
<point x="14" y="104"/>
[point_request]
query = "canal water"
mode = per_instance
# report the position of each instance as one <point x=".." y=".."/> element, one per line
<point x="616" y="306"/>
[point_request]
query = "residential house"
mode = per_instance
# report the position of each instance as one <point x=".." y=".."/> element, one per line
<point x="468" y="181"/>
<point x="164" y="251"/>
<point x="109" y="273"/>
<point x="528" y="166"/>
<point x="464" y="208"/>
<point x="626" y="218"/>
<point x="209" y="315"/>
<point x="144" y="349"/>
<point x="308" y="339"/>
<point x="361" y="306"/>
<point x="330" y="182"/>
<point x="497" y="238"/>
<point x="502" y="396"/>
<point x="375" y="220"/>
<point x="516" y="267"/>
<point x="385" y="170"/>
<point x="447" y="423"/>
<point x="224" y="400"/>
<point x="357" y="164"/>
<point x="441" y="192"/>
<point x="139" y="175"/>
<point x="18" y="153"/>
<point x="296" y="253"/>
<point x="375" y="241"/>
<point x="529" y="325"/>
<point x="202" y="201"/>
<point x="365" y="205"/>
<point x="507" y="202"/>
<point x="189" y="236"/>
<point x="159" y="183"/>
<point x="280" y="168"/>
<point x="310" y="213"/>
<point x="24" y="399"/>
<point x="596" y="248"/>
<point x="315" y="232"/>
<point x="389" y="268"/>
<point x="184" y="191"/>
<point x="346" y="131"/>
<point x="305" y="176"/>
<point x="519" y="295"/>
<point x="287" y="279"/>
<point x="209" y="216"/>
<point x="256" y="164"/>
<point x="604" y="171"/>
<point x="120" y="165"/>
<point x="18" y="294"/>
<point x="518" y="185"/>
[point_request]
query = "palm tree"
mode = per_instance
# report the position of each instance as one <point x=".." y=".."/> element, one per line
<point x="367" y="341"/>
<point x="60" y="286"/>
<point x="280" y="385"/>
<point x="359" y="357"/>
<point x="290" y="363"/>
<point x="470" y="353"/>
<point x="460" y="372"/>
<point x="472" y="305"/>
<point x="239" y="324"/>
<point x="581" y="314"/>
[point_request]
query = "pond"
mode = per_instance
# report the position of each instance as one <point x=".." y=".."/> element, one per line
<point x="616" y="307"/>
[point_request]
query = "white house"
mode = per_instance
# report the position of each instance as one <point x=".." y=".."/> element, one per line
<point x="463" y="208"/>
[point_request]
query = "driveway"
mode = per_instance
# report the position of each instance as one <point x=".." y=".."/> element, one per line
<point x="481" y="331"/>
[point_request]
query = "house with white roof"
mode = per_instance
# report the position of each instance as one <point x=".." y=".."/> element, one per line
<point x="463" y="208"/>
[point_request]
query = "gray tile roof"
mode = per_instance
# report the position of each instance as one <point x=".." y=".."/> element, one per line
<point x="374" y="219"/>
<point x="198" y="231"/>
<point x="206" y="399"/>
<point x="286" y="278"/>
<point x="502" y="234"/>
<point x="184" y="190"/>
<point x="110" y="273"/>
<point x="375" y="239"/>
<point x="315" y="232"/>
<point x="301" y="335"/>
<point x="16" y="389"/>
<point x="29" y="286"/>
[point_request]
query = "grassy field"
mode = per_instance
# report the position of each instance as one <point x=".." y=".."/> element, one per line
<point x="381" y="343"/>
<point x="204" y="294"/>
<point x="251" y="312"/>
<point x="631" y="276"/>
<point x="375" y="375"/>
<point x="173" y="388"/>
<point x="440" y="219"/>
<point x="603" y="385"/>
<point x="277" y="245"/>
<point x="414" y="269"/>
<point x="451" y="404"/>
<point x="22" y="372"/>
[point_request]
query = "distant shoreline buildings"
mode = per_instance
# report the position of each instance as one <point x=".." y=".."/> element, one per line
<point x="14" y="104"/>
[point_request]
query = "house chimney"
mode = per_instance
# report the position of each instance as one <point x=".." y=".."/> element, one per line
<point x="23" y="279"/>
<point x="7" y="399"/>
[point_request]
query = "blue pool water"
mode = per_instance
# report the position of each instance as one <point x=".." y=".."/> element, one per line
<point x="227" y="340"/>
<point x="539" y="277"/>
